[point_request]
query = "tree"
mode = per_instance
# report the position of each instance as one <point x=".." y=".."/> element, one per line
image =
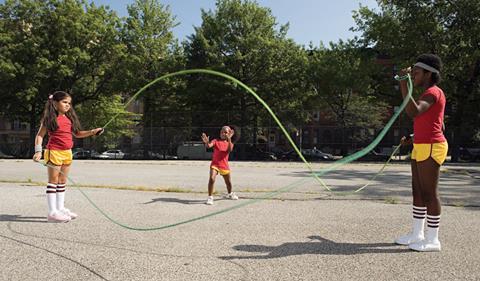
<point x="151" y="52"/>
<point x="55" y="45"/>
<point x="341" y="78"/>
<point x="244" y="40"/>
<point x="451" y="29"/>
<point x="97" y="113"/>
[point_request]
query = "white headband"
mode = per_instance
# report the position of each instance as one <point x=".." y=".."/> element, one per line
<point x="426" y="67"/>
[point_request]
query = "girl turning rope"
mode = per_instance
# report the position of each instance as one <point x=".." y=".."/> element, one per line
<point x="429" y="152"/>
<point x="60" y="121"/>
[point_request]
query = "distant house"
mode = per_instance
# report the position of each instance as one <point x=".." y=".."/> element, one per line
<point x="14" y="137"/>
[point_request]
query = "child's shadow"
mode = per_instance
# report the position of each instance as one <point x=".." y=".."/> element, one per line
<point x="181" y="201"/>
<point x="175" y="200"/>
<point x="320" y="247"/>
<point x="20" y="218"/>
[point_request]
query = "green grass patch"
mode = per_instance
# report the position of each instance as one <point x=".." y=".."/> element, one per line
<point x="458" y="204"/>
<point x="29" y="182"/>
<point x="391" y="200"/>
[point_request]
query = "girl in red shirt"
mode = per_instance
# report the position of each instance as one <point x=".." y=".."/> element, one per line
<point x="60" y="122"/>
<point x="429" y="152"/>
<point x="219" y="164"/>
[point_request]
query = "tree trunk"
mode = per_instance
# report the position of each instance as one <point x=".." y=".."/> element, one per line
<point x="243" y="122"/>
<point x="147" y="122"/>
<point x="33" y="127"/>
<point x="255" y="129"/>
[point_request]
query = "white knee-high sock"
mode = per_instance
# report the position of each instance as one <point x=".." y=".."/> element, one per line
<point x="419" y="214"/>
<point x="433" y="224"/>
<point x="60" y="196"/>
<point x="52" y="198"/>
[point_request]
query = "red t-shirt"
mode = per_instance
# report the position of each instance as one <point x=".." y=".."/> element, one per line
<point x="61" y="139"/>
<point x="428" y="126"/>
<point x="220" y="154"/>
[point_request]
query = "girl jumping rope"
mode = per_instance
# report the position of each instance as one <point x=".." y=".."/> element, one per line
<point x="219" y="164"/>
<point x="60" y="121"/>
<point x="429" y="152"/>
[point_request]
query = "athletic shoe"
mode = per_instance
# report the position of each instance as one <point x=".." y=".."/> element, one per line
<point x="58" y="217"/>
<point x="209" y="200"/>
<point x="409" y="239"/>
<point x="231" y="196"/>
<point x="69" y="213"/>
<point x="426" y="246"/>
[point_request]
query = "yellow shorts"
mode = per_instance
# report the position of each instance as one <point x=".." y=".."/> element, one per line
<point x="58" y="157"/>
<point x="422" y="151"/>
<point x="220" y="171"/>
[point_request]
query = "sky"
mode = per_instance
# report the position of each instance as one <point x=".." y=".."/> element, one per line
<point x="310" y="20"/>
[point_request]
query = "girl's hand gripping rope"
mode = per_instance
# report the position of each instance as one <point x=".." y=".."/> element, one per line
<point x="98" y="131"/>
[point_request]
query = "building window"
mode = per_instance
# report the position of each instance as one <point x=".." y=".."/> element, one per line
<point x="272" y="138"/>
<point x="16" y="125"/>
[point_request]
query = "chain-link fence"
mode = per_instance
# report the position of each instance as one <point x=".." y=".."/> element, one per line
<point x="251" y="143"/>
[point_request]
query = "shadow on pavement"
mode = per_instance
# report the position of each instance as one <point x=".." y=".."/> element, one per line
<point x="182" y="201"/>
<point x="319" y="246"/>
<point x="175" y="200"/>
<point x="20" y="218"/>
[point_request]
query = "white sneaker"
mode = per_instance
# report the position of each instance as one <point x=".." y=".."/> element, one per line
<point x="209" y="200"/>
<point x="426" y="246"/>
<point x="409" y="239"/>
<point x="69" y="213"/>
<point x="231" y="196"/>
<point x="58" y="217"/>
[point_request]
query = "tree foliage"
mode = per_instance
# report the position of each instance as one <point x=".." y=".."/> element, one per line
<point x="244" y="40"/>
<point x="55" y="45"/>
<point x="451" y="29"/>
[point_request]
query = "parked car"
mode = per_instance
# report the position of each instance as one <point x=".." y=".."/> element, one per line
<point x="312" y="154"/>
<point x="5" y="156"/>
<point x="112" y="154"/>
<point x="315" y="154"/>
<point x="139" y="155"/>
<point x="167" y="157"/>
<point x="265" y="155"/>
<point x="290" y="155"/>
<point x="375" y="156"/>
<point x="470" y="154"/>
<point x="100" y="156"/>
<point x="82" y="154"/>
<point x="259" y="154"/>
<point x="193" y="150"/>
<point x="150" y="155"/>
<point x="95" y="155"/>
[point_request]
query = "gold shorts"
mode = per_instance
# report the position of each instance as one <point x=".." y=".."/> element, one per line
<point x="58" y="157"/>
<point x="422" y="151"/>
<point x="220" y="171"/>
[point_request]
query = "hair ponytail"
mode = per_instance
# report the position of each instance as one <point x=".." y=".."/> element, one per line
<point x="49" y="119"/>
